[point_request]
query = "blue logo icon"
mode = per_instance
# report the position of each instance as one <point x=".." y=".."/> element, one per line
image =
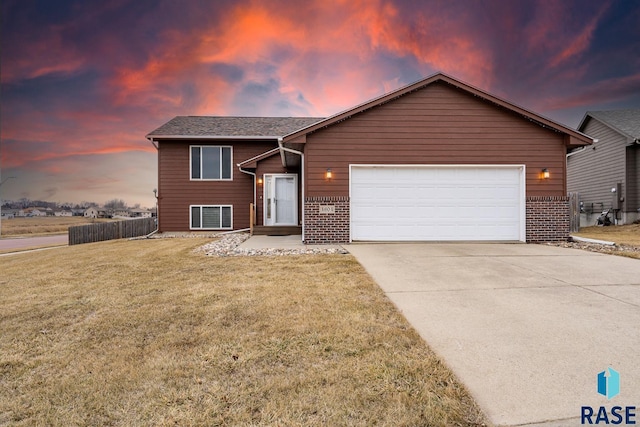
<point x="609" y="383"/>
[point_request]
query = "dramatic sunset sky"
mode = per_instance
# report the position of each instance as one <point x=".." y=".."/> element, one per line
<point x="84" y="81"/>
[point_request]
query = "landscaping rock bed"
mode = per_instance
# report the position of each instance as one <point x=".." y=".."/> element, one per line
<point x="595" y="247"/>
<point x="228" y="244"/>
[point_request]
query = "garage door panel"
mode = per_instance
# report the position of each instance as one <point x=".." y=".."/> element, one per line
<point x="437" y="203"/>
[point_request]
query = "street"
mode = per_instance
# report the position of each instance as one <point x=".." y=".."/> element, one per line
<point x="33" y="242"/>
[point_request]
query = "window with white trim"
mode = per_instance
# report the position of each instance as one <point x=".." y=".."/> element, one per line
<point x="210" y="162"/>
<point x="211" y="217"/>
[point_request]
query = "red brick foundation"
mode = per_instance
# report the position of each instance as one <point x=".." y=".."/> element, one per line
<point x="329" y="227"/>
<point x="547" y="219"/>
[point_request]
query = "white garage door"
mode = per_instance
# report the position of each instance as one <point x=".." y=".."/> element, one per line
<point x="438" y="203"/>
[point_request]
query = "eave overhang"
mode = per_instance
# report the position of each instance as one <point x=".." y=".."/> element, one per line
<point x="212" y="137"/>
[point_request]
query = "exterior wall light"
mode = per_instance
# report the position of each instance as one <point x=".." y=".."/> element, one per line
<point x="545" y="173"/>
<point x="328" y="174"/>
<point x="259" y="181"/>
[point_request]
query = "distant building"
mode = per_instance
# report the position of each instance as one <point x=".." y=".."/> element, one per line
<point x="90" y="213"/>
<point x="123" y="212"/>
<point x="35" y="211"/>
<point x="140" y="213"/>
<point x="94" y="212"/>
<point x="62" y="212"/>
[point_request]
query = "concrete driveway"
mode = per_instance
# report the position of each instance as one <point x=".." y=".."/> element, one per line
<point x="527" y="328"/>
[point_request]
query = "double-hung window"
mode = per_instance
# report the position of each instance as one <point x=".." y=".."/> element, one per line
<point x="211" y="217"/>
<point x="210" y="162"/>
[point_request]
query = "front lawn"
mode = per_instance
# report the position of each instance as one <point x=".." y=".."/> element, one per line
<point x="147" y="332"/>
<point x="626" y="238"/>
<point x="621" y="234"/>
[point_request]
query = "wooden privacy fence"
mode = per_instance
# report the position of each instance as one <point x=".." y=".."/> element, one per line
<point x="111" y="230"/>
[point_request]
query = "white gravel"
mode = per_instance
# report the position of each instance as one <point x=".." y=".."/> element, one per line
<point x="228" y="244"/>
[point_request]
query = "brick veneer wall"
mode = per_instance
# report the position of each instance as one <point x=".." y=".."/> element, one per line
<point x="548" y="219"/>
<point x="326" y="227"/>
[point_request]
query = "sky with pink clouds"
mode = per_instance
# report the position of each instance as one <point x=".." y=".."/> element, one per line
<point x="83" y="82"/>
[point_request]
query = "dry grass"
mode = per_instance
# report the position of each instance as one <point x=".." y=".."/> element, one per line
<point x="626" y="237"/>
<point x="621" y="234"/>
<point x="128" y="333"/>
<point x="43" y="225"/>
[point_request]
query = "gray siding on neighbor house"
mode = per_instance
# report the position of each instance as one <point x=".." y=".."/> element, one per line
<point x="633" y="178"/>
<point x="593" y="172"/>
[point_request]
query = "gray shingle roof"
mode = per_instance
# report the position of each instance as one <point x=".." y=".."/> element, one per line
<point x="627" y="122"/>
<point x="211" y="126"/>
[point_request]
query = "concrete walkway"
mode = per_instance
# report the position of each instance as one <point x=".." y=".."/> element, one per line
<point x="526" y="328"/>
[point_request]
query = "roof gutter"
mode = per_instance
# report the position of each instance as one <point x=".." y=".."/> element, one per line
<point x="266" y="153"/>
<point x="213" y="137"/>
<point x="580" y="150"/>
<point x="301" y="154"/>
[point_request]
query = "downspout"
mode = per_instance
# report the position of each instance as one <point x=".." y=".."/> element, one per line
<point x="254" y="185"/>
<point x="301" y="154"/>
<point x="148" y="236"/>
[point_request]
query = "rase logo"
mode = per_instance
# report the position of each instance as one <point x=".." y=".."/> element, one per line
<point x="608" y="386"/>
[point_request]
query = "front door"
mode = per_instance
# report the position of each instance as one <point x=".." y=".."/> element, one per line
<point x="281" y="199"/>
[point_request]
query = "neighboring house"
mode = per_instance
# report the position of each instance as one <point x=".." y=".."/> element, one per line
<point x="140" y="213"/>
<point x="8" y="213"/>
<point x="91" y="213"/>
<point x="35" y="211"/>
<point x="94" y="212"/>
<point x="105" y="213"/>
<point x="123" y="212"/>
<point x="612" y="162"/>
<point x="434" y="160"/>
<point x="62" y="212"/>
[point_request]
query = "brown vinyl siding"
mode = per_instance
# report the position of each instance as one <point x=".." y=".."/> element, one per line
<point x="438" y="124"/>
<point x="176" y="191"/>
<point x="593" y="172"/>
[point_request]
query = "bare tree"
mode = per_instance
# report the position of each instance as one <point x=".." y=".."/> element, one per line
<point x="115" y="204"/>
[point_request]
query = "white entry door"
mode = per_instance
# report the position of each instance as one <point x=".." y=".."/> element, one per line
<point x="281" y="199"/>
